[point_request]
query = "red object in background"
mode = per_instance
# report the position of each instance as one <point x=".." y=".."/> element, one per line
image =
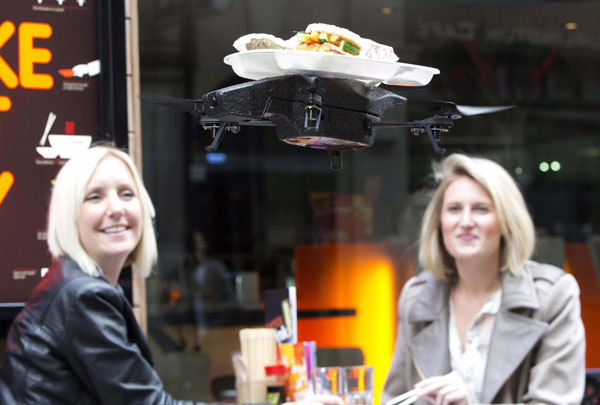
<point x="66" y="72"/>
<point x="69" y="127"/>
<point x="276" y="370"/>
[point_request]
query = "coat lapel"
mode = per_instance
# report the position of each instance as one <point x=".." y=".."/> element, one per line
<point x="430" y="352"/>
<point x="514" y="334"/>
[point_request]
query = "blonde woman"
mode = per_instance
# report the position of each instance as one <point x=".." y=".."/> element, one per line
<point x="483" y="323"/>
<point x="77" y="340"/>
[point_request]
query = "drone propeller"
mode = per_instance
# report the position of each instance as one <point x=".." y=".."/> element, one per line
<point x="468" y="110"/>
<point x="444" y="114"/>
<point x="456" y="111"/>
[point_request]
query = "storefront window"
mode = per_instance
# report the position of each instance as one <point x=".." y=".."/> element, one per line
<point x="234" y="222"/>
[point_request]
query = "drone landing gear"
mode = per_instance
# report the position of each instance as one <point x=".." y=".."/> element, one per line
<point x="433" y="133"/>
<point x="218" y="130"/>
<point x="433" y="126"/>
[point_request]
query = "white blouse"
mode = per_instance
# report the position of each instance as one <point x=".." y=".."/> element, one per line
<point x="470" y="363"/>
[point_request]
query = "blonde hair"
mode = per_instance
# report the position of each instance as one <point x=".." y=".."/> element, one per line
<point x="67" y="197"/>
<point x="518" y="233"/>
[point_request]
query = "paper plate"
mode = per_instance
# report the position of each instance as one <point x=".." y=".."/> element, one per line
<point x="262" y="63"/>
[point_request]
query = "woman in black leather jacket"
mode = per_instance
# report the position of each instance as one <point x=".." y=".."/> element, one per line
<point x="77" y="340"/>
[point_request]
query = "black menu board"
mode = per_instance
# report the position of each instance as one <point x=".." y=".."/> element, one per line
<point x="50" y="82"/>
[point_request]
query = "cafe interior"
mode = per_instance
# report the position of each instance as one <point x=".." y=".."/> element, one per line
<point x="258" y="214"/>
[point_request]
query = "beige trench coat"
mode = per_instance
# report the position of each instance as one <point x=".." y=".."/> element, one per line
<point x="537" y="349"/>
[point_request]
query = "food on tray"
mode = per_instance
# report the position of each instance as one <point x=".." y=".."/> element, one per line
<point x="373" y="50"/>
<point x="320" y="37"/>
<point x="260" y="41"/>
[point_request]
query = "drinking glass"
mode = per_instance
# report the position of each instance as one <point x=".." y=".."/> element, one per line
<point x="359" y="385"/>
<point x="329" y="380"/>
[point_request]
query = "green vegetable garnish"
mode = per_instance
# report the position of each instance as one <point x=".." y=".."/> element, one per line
<point x="350" y="48"/>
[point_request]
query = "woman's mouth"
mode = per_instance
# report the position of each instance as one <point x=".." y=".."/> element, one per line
<point x="115" y="229"/>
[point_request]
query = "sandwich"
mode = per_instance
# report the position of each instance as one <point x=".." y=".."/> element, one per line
<point x="320" y="37"/>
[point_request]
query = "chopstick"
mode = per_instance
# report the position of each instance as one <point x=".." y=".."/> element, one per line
<point x="407" y="398"/>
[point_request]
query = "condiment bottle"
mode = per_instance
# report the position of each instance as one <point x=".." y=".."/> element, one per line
<point x="277" y="376"/>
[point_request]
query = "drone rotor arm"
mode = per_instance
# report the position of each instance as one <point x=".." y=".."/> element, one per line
<point x="219" y="127"/>
<point x="429" y="125"/>
<point x="177" y="103"/>
<point x="209" y="123"/>
<point x="398" y="124"/>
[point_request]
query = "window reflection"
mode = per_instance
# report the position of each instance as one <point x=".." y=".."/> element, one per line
<point x="259" y="199"/>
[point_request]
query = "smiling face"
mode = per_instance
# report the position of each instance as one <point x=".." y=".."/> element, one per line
<point x="110" y="217"/>
<point x="470" y="226"/>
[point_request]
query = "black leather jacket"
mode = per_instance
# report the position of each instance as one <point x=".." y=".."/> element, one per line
<point x="78" y="342"/>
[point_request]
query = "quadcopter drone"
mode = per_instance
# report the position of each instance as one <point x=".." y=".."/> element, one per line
<point x="335" y="114"/>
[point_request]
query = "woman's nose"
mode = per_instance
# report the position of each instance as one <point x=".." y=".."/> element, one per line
<point x="115" y="206"/>
<point x="466" y="218"/>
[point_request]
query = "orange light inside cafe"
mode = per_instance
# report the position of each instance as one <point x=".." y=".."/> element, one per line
<point x="579" y="262"/>
<point x="364" y="277"/>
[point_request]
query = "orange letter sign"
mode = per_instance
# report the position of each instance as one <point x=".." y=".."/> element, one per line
<point x="28" y="55"/>
<point x="7" y="75"/>
<point x="6" y="181"/>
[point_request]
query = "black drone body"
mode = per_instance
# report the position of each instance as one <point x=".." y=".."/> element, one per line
<point x="335" y="114"/>
<point x="308" y="111"/>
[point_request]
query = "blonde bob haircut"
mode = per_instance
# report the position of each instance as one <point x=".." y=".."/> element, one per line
<point x="518" y="234"/>
<point x="66" y="200"/>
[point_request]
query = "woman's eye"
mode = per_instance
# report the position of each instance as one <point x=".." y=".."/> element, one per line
<point x="482" y="209"/>
<point x="127" y="194"/>
<point x="92" y="197"/>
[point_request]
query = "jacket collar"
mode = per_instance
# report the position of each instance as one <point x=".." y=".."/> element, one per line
<point x="69" y="268"/>
<point x="432" y="299"/>
<point x="514" y="334"/>
<point x="519" y="292"/>
<point x="431" y="307"/>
